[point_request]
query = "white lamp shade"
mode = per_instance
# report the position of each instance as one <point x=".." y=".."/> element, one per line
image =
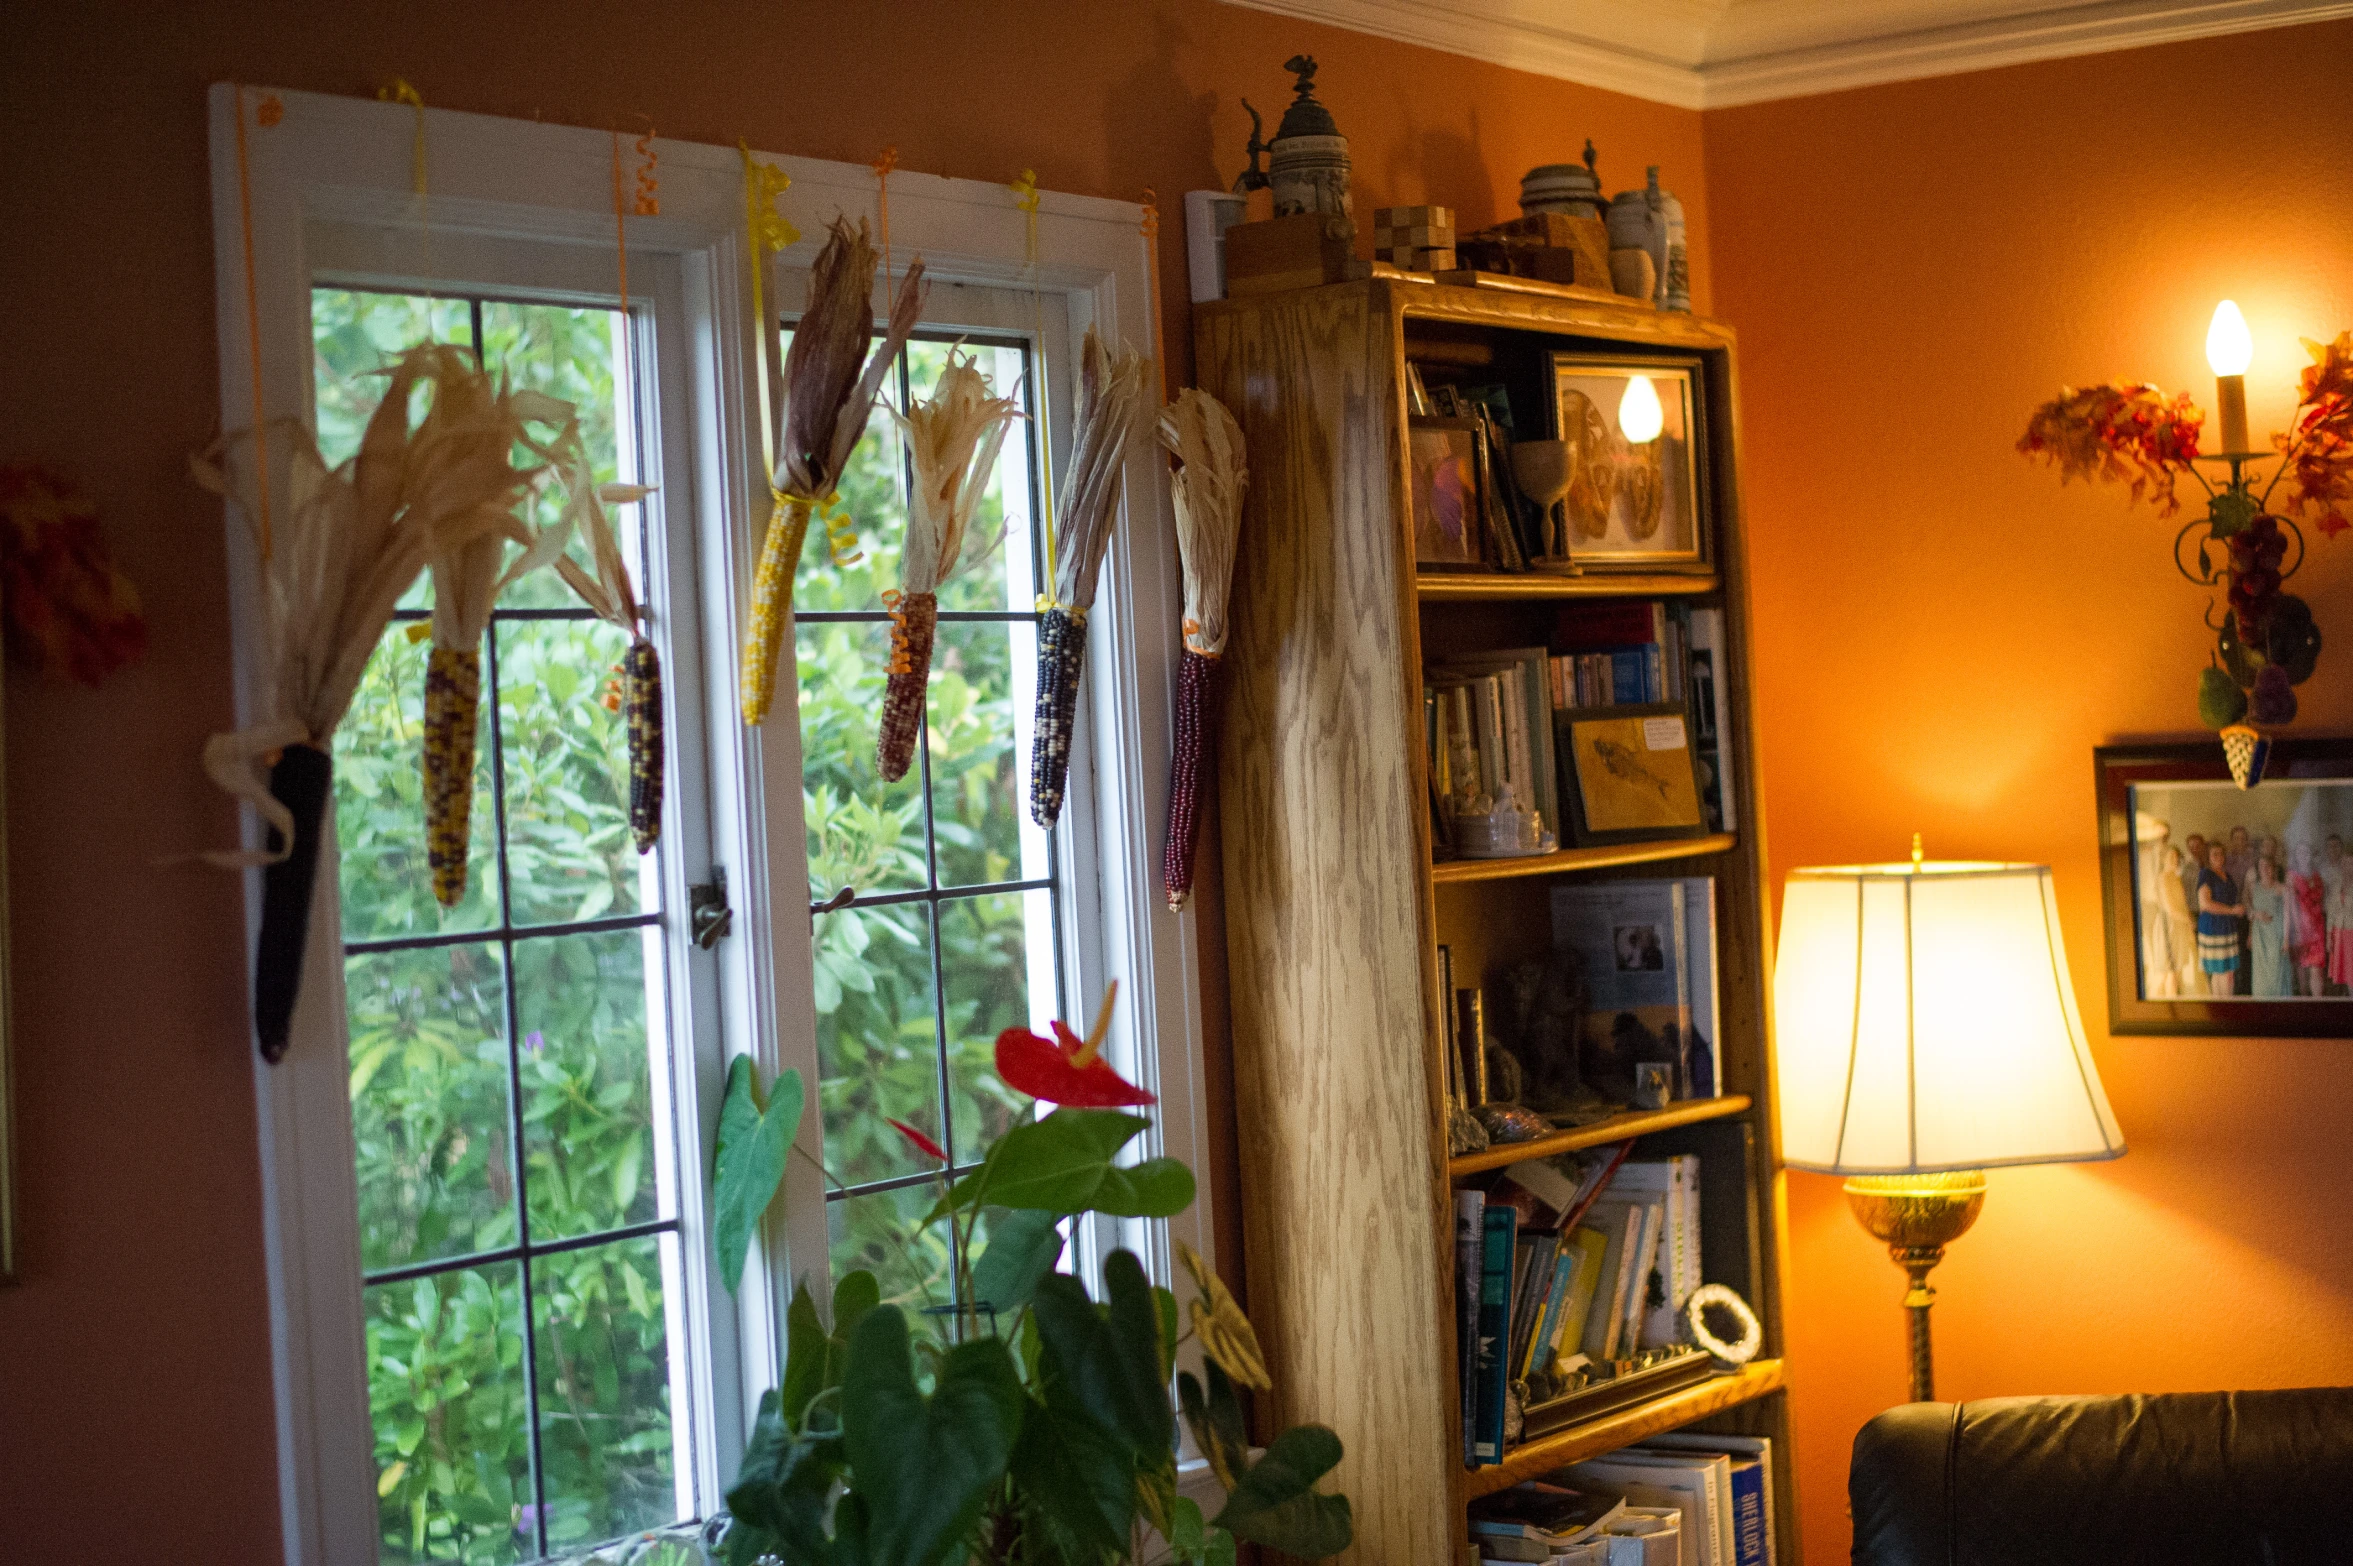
<point x="1924" y="1021"/>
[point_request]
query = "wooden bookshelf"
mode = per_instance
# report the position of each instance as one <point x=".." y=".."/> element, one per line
<point x="1617" y="1128"/>
<point x="1476" y="587"/>
<point x="1334" y="910"/>
<point x="1456" y="872"/>
<point x="1625" y="1426"/>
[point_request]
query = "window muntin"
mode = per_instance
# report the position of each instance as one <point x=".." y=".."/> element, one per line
<point x="524" y="1323"/>
<point x="954" y="932"/>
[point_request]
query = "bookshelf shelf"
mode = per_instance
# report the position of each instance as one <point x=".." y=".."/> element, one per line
<point x="1626" y="1426"/>
<point x="1454" y="872"/>
<point x="1469" y="587"/>
<point x="1335" y="911"/>
<point x="1617" y="1128"/>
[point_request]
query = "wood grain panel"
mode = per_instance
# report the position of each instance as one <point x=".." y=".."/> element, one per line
<point x="1319" y="809"/>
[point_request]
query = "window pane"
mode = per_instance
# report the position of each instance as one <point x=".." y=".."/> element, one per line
<point x="873" y="496"/>
<point x="877" y="1233"/>
<point x="429" y="1103"/>
<point x="446" y="1390"/>
<point x="998" y="568"/>
<point x="380" y="810"/>
<point x="995" y="950"/>
<point x="604" y="1390"/>
<point x="861" y="831"/>
<point x="353" y="334"/>
<point x="572" y="354"/>
<point x="566" y="751"/>
<point x="981" y="704"/>
<point x="877" y="1047"/>
<point x="580" y="1004"/>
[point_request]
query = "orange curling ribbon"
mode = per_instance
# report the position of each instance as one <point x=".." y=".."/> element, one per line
<point x="649" y="189"/>
<point x="620" y="224"/>
<point x="270" y="113"/>
<point x="895" y="601"/>
<point x="882" y="202"/>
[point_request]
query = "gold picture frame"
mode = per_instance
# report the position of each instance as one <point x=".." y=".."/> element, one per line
<point x="1628" y="774"/>
<point x="1634" y="506"/>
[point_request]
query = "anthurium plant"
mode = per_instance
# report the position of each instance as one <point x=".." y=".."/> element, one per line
<point x="1041" y="1431"/>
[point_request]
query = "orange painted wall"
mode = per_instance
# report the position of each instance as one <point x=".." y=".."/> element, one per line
<point x="1943" y="634"/>
<point x="134" y="1400"/>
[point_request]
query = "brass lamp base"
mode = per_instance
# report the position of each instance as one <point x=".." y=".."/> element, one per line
<point x="1916" y="1216"/>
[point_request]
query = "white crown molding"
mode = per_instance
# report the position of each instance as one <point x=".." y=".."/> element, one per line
<point x="1711" y="54"/>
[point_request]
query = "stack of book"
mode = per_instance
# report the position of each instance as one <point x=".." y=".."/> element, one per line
<point x="1628" y="652"/>
<point x="1721" y="1487"/>
<point x="1544" y="1520"/>
<point x="1567" y="1265"/>
<point x="1494" y="783"/>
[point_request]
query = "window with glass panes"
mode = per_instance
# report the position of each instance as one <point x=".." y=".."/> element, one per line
<point x="948" y="933"/>
<point x="518" y="1182"/>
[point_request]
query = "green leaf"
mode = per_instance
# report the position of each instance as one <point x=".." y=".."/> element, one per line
<point x="813" y="1357"/>
<point x="1063" y="1164"/>
<point x="924" y="1466"/>
<point x="1155" y="1188"/>
<point x="1022" y="1248"/>
<point x="1276" y="1503"/>
<point x="1106" y="1363"/>
<point x="1075" y="1473"/>
<point x="748" y="1166"/>
<point x="1214" y="1415"/>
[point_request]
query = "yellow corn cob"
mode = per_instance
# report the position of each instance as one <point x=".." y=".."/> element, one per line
<point x="772" y="588"/>
<point x="453" y="700"/>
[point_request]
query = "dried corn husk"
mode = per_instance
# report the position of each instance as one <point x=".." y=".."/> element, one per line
<point x="483" y="422"/>
<point x="830" y="382"/>
<point x="609" y="593"/>
<point x="348" y="543"/>
<point x="952" y="442"/>
<point x="1207" y="491"/>
<point x="1110" y="398"/>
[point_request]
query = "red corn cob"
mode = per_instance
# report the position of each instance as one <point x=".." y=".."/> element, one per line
<point x="453" y="698"/>
<point x="1062" y="652"/>
<point x="641" y="683"/>
<point x="1199" y="688"/>
<point x="913" y="621"/>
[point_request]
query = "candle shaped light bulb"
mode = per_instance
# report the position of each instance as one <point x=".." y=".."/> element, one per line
<point x="2229" y="349"/>
<point x="1640" y="418"/>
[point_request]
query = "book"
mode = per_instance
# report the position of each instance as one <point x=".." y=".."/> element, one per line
<point x="1752" y="1476"/>
<point x="1609" y="622"/>
<point x="1491" y="1372"/>
<point x="1711" y="716"/>
<point x="1568" y="1329"/>
<point x="1620" y="1222"/>
<point x="1543" y="1508"/>
<point x="1642" y="1275"/>
<point x="1539" y="1255"/>
<point x="1675" y="1181"/>
<point x="1708" y="1475"/>
<point x="1682" y="1486"/>
<point x="1647" y="1536"/>
<point x="1516" y="684"/>
<point x="1538" y="1350"/>
<point x="1469" y="1253"/>
<point x="1646" y="950"/>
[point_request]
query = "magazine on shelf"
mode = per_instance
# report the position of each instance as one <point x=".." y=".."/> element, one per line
<point x="1646" y="950"/>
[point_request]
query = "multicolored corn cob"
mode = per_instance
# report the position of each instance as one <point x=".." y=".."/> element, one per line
<point x="772" y="593"/>
<point x="1062" y="653"/>
<point x="914" y="621"/>
<point x="1200" y="688"/>
<point x="641" y="696"/>
<point x="453" y="703"/>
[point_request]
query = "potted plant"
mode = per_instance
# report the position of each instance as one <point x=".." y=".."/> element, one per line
<point x="1042" y="1431"/>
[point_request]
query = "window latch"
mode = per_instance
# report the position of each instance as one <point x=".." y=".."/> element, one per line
<point x="708" y="917"/>
<point x="836" y="903"/>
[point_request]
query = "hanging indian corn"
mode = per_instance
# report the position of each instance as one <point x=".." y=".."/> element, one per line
<point x="1110" y="397"/>
<point x="1207" y="489"/>
<point x="484" y="423"/>
<point x="345" y="546"/>
<point x="612" y="597"/>
<point x="952" y="441"/>
<point x="830" y="382"/>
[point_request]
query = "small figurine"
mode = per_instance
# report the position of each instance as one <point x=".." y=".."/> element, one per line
<point x="1255" y="176"/>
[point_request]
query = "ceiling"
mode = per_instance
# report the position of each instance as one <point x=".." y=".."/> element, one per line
<point x="1705" y="54"/>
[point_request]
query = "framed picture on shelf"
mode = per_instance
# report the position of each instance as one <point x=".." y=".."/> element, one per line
<point x="1636" y="428"/>
<point x="1449" y="509"/>
<point x="1628" y="774"/>
<point x="2229" y="911"/>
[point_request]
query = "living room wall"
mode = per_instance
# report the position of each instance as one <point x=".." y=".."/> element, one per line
<point x="1943" y="633"/>
<point x="134" y="1354"/>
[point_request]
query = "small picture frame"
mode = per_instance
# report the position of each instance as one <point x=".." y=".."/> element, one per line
<point x="1627" y="773"/>
<point x="1634" y="505"/>
<point x="2281" y="964"/>
<point x="1449" y="504"/>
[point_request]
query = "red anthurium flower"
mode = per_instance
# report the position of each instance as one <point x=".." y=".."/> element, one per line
<point x="1067" y="1069"/>
<point x="922" y="1142"/>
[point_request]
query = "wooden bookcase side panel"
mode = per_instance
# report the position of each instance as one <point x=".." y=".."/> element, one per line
<point x="1342" y="1160"/>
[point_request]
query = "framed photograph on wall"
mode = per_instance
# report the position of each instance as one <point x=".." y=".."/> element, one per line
<point x="1636" y="428"/>
<point x="1449" y="516"/>
<point x="2229" y="910"/>
<point x="1627" y="773"/>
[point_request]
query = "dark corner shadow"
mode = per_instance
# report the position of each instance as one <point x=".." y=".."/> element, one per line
<point x="1450" y="167"/>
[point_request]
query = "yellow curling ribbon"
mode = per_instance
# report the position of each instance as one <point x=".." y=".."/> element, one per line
<point x="841" y="531"/>
<point x="765" y="230"/>
<point x="401" y="92"/>
<point x="882" y="204"/>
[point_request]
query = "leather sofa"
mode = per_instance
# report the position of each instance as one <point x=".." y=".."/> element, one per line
<point x="2178" y="1479"/>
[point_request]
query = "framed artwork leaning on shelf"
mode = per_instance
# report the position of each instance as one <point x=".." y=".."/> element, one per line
<point x="1449" y="517"/>
<point x="1636" y="426"/>
<point x="1627" y="773"/>
<point x="2229" y="911"/>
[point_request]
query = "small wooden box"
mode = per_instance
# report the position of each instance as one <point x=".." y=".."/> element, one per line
<point x="1413" y="217"/>
<point x="1306" y="250"/>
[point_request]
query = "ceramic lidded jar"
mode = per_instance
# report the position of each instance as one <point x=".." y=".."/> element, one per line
<point x="1651" y="220"/>
<point x="1572" y="189"/>
<point x="1308" y="166"/>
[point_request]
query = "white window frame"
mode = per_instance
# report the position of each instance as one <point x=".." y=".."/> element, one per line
<point x="341" y="161"/>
